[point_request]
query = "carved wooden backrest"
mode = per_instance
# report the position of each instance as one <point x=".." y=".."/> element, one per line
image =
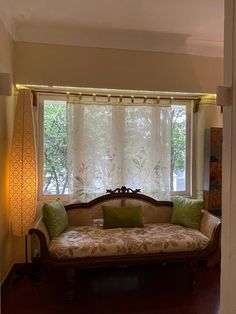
<point x="87" y="213"/>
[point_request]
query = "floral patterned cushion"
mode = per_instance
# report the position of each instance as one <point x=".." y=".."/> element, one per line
<point x="89" y="241"/>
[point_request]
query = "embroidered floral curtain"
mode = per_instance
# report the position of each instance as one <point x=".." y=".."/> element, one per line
<point x="111" y="145"/>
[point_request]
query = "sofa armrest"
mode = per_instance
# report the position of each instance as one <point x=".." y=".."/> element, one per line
<point x="210" y="225"/>
<point x="41" y="232"/>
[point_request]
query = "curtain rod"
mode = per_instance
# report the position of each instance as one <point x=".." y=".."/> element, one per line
<point x="113" y="95"/>
<point x="35" y="92"/>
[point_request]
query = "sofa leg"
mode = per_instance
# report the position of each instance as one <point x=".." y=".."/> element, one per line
<point x="192" y="275"/>
<point x="70" y="283"/>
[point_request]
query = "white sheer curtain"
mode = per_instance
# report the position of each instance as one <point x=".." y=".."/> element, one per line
<point x="111" y="145"/>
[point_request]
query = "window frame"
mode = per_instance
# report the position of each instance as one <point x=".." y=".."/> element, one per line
<point x="40" y="141"/>
<point x="189" y="149"/>
<point x="42" y="96"/>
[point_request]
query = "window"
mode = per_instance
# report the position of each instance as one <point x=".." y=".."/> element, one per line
<point x="53" y="177"/>
<point x="181" y="147"/>
<point x="138" y="157"/>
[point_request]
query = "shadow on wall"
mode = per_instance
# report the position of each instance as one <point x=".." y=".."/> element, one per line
<point x="139" y="66"/>
<point x="6" y="248"/>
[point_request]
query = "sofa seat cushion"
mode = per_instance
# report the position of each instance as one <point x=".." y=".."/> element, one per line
<point x="91" y="241"/>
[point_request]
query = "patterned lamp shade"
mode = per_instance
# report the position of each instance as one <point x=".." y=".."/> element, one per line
<point x="23" y="184"/>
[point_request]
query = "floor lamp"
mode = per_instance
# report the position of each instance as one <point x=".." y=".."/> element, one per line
<point x="23" y="183"/>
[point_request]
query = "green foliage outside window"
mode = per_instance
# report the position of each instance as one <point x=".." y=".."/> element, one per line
<point x="178" y="142"/>
<point x="55" y="178"/>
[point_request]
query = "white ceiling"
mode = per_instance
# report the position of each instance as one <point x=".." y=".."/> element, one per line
<point x="182" y="26"/>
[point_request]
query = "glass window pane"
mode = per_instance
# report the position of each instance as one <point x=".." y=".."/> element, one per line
<point x="55" y="179"/>
<point x="178" y="148"/>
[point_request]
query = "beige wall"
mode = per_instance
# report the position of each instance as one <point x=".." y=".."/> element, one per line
<point x="125" y="69"/>
<point x="113" y="68"/>
<point x="6" y="123"/>
<point x="92" y="67"/>
<point x="208" y="115"/>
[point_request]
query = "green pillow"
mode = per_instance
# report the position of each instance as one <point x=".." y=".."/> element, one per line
<point x="122" y="217"/>
<point x="187" y="212"/>
<point x="55" y="217"/>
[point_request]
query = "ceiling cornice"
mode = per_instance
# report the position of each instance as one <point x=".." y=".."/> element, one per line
<point x="8" y="22"/>
<point x="134" y="26"/>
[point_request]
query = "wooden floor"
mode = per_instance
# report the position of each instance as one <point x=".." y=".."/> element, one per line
<point x="150" y="289"/>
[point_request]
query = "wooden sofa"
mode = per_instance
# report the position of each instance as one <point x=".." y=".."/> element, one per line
<point x="80" y="246"/>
